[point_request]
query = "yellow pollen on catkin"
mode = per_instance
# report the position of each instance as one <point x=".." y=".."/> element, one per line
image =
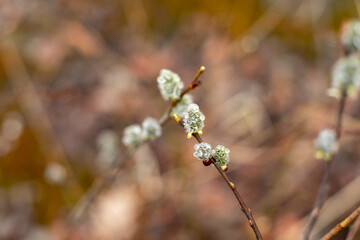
<point x="176" y="117"/>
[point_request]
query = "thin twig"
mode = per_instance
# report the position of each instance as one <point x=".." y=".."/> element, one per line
<point x="342" y="225"/>
<point x="355" y="228"/>
<point x="32" y="106"/>
<point x="321" y="195"/>
<point x="338" y="119"/>
<point x="319" y="200"/>
<point x="109" y="177"/>
<point x="242" y="205"/>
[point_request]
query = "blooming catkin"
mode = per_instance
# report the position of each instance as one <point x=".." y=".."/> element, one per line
<point x="202" y="151"/>
<point x="193" y="120"/>
<point x="326" y="144"/>
<point x="151" y="128"/>
<point x="350" y="36"/>
<point x="170" y="84"/>
<point x="345" y="76"/>
<point x="182" y="105"/>
<point x="221" y="155"/>
<point x="132" y="136"/>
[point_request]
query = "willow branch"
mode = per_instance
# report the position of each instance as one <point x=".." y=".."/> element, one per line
<point x="321" y="195"/>
<point x="242" y="205"/>
<point x="319" y="200"/>
<point x="109" y="177"/>
<point x="342" y="225"/>
<point x="195" y="82"/>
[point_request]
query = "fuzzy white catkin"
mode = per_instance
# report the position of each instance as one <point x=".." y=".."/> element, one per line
<point x="346" y="76"/>
<point x="132" y="135"/>
<point x="326" y="143"/>
<point x="151" y="128"/>
<point x="182" y="105"/>
<point x="202" y="151"/>
<point x="221" y="155"/>
<point x="350" y="35"/>
<point x="193" y="119"/>
<point x="169" y="84"/>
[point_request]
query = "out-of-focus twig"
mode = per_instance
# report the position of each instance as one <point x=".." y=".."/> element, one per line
<point x="321" y="196"/>
<point x="262" y="27"/>
<point x="319" y="200"/>
<point x="341" y="226"/>
<point x="24" y="89"/>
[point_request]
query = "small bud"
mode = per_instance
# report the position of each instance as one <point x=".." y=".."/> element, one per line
<point x="182" y="105"/>
<point x="326" y="144"/>
<point x="170" y="84"/>
<point x="345" y="76"/>
<point x="132" y="136"/>
<point x="202" y="151"/>
<point x="221" y="156"/>
<point x="151" y="128"/>
<point x="193" y="120"/>
<point x="177" y="118"/>
<point x="350" y="36"/>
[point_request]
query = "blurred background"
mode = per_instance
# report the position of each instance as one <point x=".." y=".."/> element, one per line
<point x="74" y="74"/>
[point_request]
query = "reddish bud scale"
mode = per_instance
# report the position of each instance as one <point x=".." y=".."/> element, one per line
<point x="207" y="162"/>
<point x="195" y="84"/>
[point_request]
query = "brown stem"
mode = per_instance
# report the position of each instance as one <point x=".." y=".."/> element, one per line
<point x="319" y="201"/>
<point x="232" y="186"/>
<point x="321" y="195"/>
<point x="338" y="119"/>
<point x="109" y="177"/>
<point x="341" y="226"/>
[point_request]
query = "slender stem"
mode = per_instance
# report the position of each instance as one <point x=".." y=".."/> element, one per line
<point x="321" y="195"/>
<point x="342" y="225"/>
<point x="319" y="200"/>
<point x="355" y="228"/>
<point x="109" y="177"/>
<point x="242" y="205"/>
<point x="339" y="115"/>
